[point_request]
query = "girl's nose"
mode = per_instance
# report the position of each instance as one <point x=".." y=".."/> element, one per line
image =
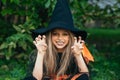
<point x="60" y="37"/>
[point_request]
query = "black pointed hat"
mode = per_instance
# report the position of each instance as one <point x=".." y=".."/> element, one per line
<point x="61" y="18"/>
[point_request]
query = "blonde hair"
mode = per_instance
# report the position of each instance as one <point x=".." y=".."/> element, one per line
<point x="50" y="59"/>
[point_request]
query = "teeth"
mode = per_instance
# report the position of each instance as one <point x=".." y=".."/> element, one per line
<point x="60" y="43"/>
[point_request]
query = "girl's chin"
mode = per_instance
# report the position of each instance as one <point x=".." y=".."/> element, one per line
<point x="60" y="47"/>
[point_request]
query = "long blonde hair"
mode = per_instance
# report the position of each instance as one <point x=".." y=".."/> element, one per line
<point x="50" y="59"/>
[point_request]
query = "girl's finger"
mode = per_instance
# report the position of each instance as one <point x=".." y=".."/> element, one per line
<point x="79" y="39"/>
<point x="75" y="40"/>
<point x="34" y="42"/>
<point x="44" y="38"/>
<point x="81" y="47"/>
<point x="36" y="39"/>
<point x="45" y="45"/>
<point x="82" y="42"/>
<point x="39" y="37"/>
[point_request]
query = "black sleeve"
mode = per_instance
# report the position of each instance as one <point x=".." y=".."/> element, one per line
<point x="32" y="59"/>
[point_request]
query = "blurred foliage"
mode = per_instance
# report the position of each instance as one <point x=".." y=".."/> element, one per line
<point x="96" y="13"/>
<point x="104" y="44"/>
<point x="19" y="17"/>
<point x="104" y="68"/>
<point x="13" y="69"/>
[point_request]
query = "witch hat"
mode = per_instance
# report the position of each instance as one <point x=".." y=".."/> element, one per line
<point x="61" y="18"/>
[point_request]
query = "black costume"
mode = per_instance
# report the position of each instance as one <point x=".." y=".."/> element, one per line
<point x="72" y="69"/>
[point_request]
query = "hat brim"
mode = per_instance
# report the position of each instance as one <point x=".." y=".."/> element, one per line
<point x="75" y="31"/>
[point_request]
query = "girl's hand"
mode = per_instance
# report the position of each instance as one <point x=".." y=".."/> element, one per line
<point x="40" y="43"/>
<point x="78" y="46"/>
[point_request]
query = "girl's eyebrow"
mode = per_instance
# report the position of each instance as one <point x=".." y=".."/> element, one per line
<point x="63" y="31"/>
<point x="66" y="31"/>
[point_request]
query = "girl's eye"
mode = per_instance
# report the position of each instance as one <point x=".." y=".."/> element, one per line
<point x="65" y="34"/>
<point x="54" y="34"/>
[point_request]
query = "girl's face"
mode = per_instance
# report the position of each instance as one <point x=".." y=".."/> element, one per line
<point x="60" y="39"/>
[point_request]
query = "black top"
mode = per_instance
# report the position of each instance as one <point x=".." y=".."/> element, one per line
<point x="72" y="68"/>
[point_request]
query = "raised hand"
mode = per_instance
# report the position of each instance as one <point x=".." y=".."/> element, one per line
<point x="40" y="43"/>
<point x="78" y="46"/>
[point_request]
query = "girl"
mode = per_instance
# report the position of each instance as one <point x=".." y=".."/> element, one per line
<point x="60" y="49"/>
<point x="60" y="54"/>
